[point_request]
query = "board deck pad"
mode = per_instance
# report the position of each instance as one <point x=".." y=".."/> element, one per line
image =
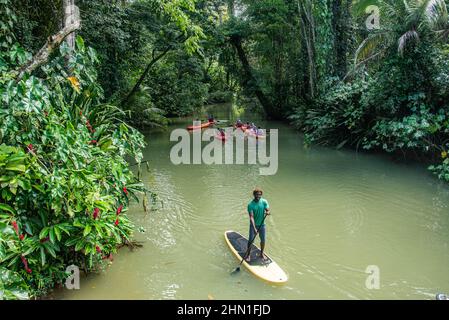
<point x="267" y="270"/>
<point x="240" y="244"/>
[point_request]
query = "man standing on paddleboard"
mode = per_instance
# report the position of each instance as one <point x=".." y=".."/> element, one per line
<point x="257" y="209"/>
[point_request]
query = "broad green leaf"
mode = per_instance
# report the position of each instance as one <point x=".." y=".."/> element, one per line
<point x="6" y="207"/>
<point x="87" y="230"/>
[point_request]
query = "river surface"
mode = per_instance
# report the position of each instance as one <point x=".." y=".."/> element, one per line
<point x="335" y="215"/>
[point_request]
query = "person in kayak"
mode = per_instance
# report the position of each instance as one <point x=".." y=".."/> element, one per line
<point x="257" y="209"/>
<point x="211" y="118"/>
<point x="221" y="133"/>
<point x="239" y="123"/>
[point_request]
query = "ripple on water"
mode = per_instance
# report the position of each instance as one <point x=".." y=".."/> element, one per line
<point x="171" y="221"/>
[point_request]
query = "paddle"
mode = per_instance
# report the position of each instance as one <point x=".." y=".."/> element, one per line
<point x="249" y="246"/>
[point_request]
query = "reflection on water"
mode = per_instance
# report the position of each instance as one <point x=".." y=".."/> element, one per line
<point x="333" y="214"/>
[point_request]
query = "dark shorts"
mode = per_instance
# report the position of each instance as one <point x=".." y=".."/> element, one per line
<point x="261" y="233"/>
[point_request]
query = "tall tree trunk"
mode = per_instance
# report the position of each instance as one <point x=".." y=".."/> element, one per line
<point x="231" y="9"/>
<point x="341" y="28"/>
<point x="249" y="78"/>
<point x="307" y="26"/>
<point x="71" y="16"/>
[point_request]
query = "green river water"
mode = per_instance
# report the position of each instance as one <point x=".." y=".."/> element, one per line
<point x="334" y="213"/>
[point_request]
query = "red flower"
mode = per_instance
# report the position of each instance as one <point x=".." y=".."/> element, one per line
<point x="25" y="263"/>
<point x="98" y="249"/>
<point x="16" y="228"/>
<point x="21" y="237"/>
<point x="93" y="141"/>
<point x="30" y="148"/>
<point x="125" y="190"/>
<point x="81" y="113"/>
<point x="119" y="209"/>
<point x="96" y="212"/>
<point x="116" y="222"/>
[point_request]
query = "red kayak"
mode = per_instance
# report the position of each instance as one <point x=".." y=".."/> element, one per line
<point x="220" y="137"/>
<point x="243" y="128"/>
<point x="202" y="126"/>
<point x="251" y="133"/>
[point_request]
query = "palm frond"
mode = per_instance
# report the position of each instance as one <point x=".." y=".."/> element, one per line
<point x="368" y="46"/>
<point x="405" y="39"/>
<point x="438" y="17"/>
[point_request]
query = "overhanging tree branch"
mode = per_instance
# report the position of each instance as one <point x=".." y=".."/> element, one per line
<point x="41" y="57"/>
<point x="148" y="68"/>
<point x="144" y="74"/>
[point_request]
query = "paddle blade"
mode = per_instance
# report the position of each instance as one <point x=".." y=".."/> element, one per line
<point x="237" y="270"/>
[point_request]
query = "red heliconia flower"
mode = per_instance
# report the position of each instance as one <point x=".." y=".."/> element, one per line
<point x="125" y="190"/>
<point x="116" y="222"/>
<point x="21" y="237"/>
<point x="16" y="228"/>
<point x="119" y="209"/>
<point x="98" y="249"/>
<point x="96" y="212"/>
<point x="25" y="263"/>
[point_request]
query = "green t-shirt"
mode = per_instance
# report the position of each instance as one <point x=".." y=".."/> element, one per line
<point x="258" y="209"/>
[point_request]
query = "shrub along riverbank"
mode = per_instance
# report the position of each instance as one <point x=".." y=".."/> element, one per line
<point x="65" y="184"/>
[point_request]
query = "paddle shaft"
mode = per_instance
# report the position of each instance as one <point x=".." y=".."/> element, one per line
<point x="252" y="240"/>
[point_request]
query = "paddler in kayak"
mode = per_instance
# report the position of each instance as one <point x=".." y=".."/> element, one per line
<point x="257" y="209"/>
<point x="221" y="133"/>
<point x="239" y="123"/>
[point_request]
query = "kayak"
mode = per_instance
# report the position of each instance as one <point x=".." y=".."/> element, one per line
<point x="268" y="270"/>
<point x="243" y="128"/>
<point x="220" y="137"/>
<point x="251" y="133"/>
<point x="202" y="126"/>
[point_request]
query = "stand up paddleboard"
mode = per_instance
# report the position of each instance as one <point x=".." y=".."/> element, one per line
<point x="266" y="270"/>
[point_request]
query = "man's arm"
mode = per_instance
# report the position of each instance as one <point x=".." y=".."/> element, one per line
<point x="251" y="219"/>
<point x="267" y="208"/>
